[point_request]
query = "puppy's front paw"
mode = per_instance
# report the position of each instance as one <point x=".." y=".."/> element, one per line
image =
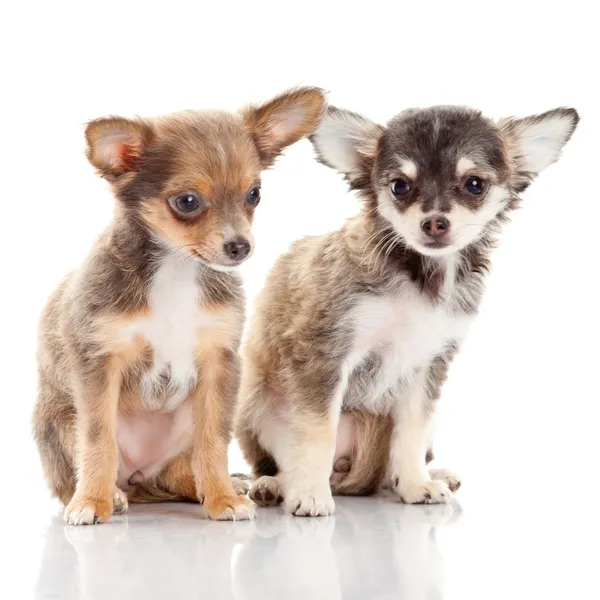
<point x="88" y="511"/>
<point x="229" y="508"/>
<point x="265" y="491"/>
<point x="425" y="492"/>
<point x="309" y="503"/>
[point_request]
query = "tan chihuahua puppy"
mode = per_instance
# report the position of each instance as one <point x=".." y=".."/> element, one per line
<point x="138" y="348"/>
<point x="354" y="331"/>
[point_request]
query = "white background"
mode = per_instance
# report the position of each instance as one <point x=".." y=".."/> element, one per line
<point x="520" y="413"/>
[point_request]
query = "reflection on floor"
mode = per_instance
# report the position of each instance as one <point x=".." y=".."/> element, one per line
<point x="371" y="548"/>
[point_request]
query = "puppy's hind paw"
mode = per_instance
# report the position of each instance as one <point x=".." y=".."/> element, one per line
<point x="240" y="484"/>
<point x="120" y="503"/>
<point x="452" y="480"/>
<point x="265" y="491"/>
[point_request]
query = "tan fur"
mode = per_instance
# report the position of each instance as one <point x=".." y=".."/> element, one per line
<point x="370" y="461"/>
<point x="96" y="445"/>
<point x="90" y="368"/>
<point x="209" y="455"/>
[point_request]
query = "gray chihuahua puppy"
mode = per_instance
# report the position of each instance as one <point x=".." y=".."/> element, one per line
<point x="354" y="330"/>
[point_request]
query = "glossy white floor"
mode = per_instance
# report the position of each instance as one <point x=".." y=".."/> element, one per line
<point x="497" y="546"/>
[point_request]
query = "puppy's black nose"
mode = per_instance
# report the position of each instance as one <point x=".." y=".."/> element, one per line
<point x="435" y="227"/>
<point x="237" y="250"/>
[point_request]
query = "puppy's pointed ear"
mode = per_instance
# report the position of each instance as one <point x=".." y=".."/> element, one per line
<point x="345" y="140"/>
<point x="284" y="120"/>
<point x="536" y="142"/>
<point x="116" y="145"/>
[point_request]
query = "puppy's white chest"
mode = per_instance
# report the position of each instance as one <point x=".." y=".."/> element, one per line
<point x="400" y="334"/>
<point x="172" y="329"/>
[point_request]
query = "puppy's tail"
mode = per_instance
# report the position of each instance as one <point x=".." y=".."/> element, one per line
<point x="370" y="456"/>
<point x="149" y="492"/>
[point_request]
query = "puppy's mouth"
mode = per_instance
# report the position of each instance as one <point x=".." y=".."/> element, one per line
<point x="436" y="245"/>
<point x="221" y="266"/>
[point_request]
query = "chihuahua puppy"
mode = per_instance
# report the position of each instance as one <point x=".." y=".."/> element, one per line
<point x="138" y="348"/>
<point x="363" y="322"/>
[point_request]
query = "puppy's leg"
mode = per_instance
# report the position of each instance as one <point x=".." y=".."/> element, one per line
<point x="256" y="405"/>
<point x="303" y="444"/>
<point x="252" y="415"/>
<point x="264" y="489"/>
<point x="410" y="439"/>
<point x="305" y="453"/>
<point x="55" y="433"/>
<point x="214" y="400"/>
<point x="97" y="390"/>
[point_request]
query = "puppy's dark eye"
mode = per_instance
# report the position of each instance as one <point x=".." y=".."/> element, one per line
<point x="399" y="187"/>
<point x="253" y="196"/>
<point x="188" y="204"/>
<point x="475" y="186"/>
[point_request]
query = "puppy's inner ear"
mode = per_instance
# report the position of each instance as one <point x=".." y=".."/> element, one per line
<point x="116" y="145"/>
<point x="345" y="139"/>
<point x="284" y="120"/>
<point x="535" y="142"/>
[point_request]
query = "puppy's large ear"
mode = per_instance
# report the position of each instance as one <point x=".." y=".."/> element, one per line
<point x="116" y="145"/>
<point x="345" y="141"/>
<point x="536" y="142"/>
<point x="284" y="120"/>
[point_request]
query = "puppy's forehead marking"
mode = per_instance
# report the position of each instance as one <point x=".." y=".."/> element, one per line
<point x="437" y="137"/>
<point x="408" y="167"/>
<point x="211" y="153"/>
<point x="463" y="165"/>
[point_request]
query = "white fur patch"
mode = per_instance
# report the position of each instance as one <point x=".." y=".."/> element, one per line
<point x="463" y="165"/>
<point x="409" y="168"/>
<point x="172" y="331"/>
<point x="406" y="331"/>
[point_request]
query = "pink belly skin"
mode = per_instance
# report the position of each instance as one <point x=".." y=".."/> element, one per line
<point x="147" y="440"/>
